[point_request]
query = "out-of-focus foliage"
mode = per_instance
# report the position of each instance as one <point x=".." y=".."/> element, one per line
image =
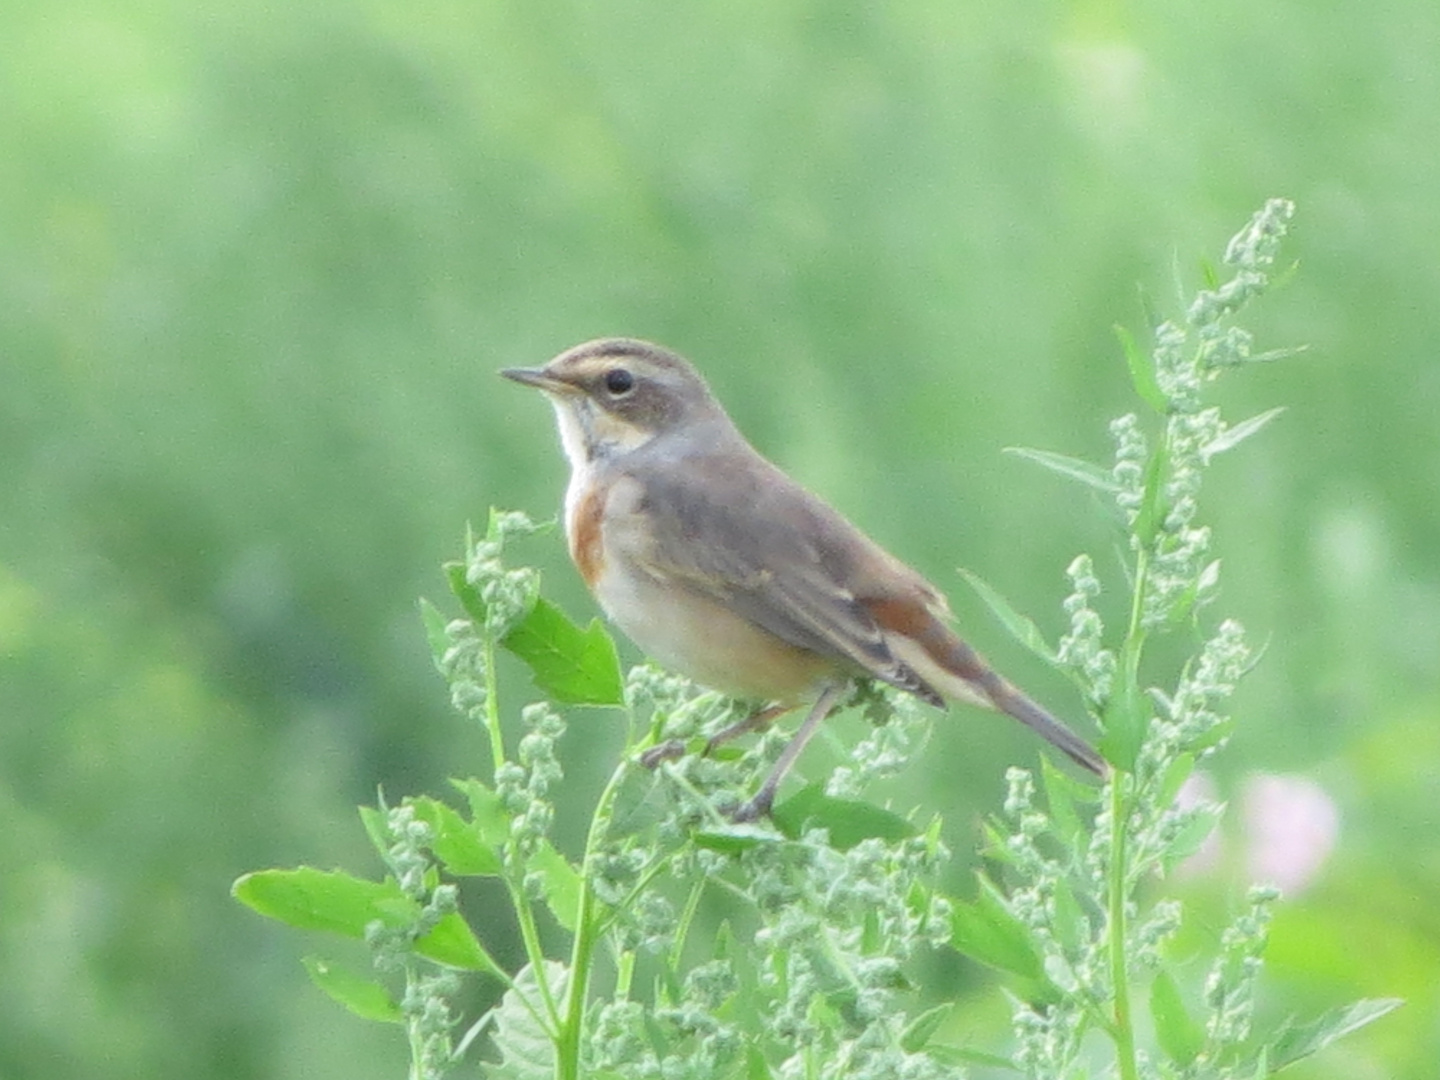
<point x="258" y="264"/>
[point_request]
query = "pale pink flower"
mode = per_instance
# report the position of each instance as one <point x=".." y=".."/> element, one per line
<point x="1291" y="826"/>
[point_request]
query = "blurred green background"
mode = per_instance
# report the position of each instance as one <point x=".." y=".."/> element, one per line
<point x="258" y="264"/>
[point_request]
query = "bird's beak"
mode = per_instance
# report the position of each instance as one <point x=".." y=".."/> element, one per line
<point x="538" y="378"/>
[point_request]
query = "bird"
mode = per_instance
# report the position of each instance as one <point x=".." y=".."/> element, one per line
<point x="719" y="566"/>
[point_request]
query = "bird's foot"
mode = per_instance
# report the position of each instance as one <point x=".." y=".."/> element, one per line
<point x="753" y="810"/>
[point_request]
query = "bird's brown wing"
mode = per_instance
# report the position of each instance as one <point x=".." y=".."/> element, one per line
<point x="775" y="554"/>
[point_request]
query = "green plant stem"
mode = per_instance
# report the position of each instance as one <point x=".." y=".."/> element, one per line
<point x="1118" y="871"/>
<point x="588" y="928"/>
<point x="624" y="975"/>
<point x="412" y="1022"/>
<point x="534" y="951"/>
<point x="682" y="930"/>
<point x="515" y="882"/>
<point x="492" y="704"/>
<point x="1124" y="1025"/>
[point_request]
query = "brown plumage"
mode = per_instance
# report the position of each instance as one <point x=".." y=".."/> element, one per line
<point x="719" y="565"/>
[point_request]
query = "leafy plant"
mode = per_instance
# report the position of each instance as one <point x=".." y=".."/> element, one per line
<point x="826" y="904"/>
<point x="1074" y="887"/>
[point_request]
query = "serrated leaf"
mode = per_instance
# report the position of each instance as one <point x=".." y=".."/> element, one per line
<point x="1020" y="627"/>
<point x="570" y="665"/>
<point x="332" y="901"/>
<point x="1142" y="372"/>
<point x="1179" y="1035"/>
<point x="527" y="1047"/>
<point x="455" y="841"/>
<point x="985" y="931"/>
<point x="1234" y="435"/>
<point x="1300" y="1041"/>
<point x="364" y="997"/>
<point x="1074" y="468"/>
<point x="453" y="943"/>
<point x="560" y="884"/>
<point x="848" y="821"/>
<point x="487" y="811"/>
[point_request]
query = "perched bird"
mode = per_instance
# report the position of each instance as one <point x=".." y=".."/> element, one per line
<point x="719" y="566"/>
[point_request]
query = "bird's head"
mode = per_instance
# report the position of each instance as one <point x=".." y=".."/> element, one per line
<point x="616" y="394"/>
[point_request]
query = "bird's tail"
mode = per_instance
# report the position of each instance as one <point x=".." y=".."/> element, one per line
<point x="1009" y="700"/>
<point x="946" y="667"/>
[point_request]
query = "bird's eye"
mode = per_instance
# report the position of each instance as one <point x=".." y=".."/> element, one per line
<point x="619" y="381"/>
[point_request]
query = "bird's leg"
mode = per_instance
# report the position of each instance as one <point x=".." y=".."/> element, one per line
<point x="760" y="805"/>
<point x="675" y="748"/>
<point x="756" y="721"/>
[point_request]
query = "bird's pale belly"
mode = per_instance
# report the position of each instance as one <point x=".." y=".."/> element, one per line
<point x="676" y="626"/>
<point x="703" y="640"/>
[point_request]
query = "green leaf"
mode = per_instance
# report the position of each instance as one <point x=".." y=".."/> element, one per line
<point x="435" y="623"/>
<point x="377" y="827"/>
<point x="456" y="842"/>
<point x="1167" y="788"/>
<point x="527" y="1047"/>
<point x="1152" y="505"/>
<point x="572" y="666"/>
<point x="1203" y="585"/>
<point x="735" y="838"/>
<point x="1296" y="1042"/>
<point x="1179" y="1035"/>
<point x="560" y="882"/>
<point x="1091" y="475"/>
<point x="1062" y="793"/>
<point x="323" y="900"/>
<point x="364" y="997"/>
<point x="1272" y="355"/>
<point x="922" y="1029"/>
<point x="987" y="932"/>
<point x="1236" y="434"/>
<point x="848" y="821"/>
<point x="1072" y="928"/>
<point x="1142" y="372"/>
<point x="1020" y="627"/>
<point x="452" y="942"/>
<point x="467" y="594"/>
<point x="1199" y="824"/>
<point x="487" y="811"/>
<point x="1126" y="719"/>
<point x="959" y="1056"/>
